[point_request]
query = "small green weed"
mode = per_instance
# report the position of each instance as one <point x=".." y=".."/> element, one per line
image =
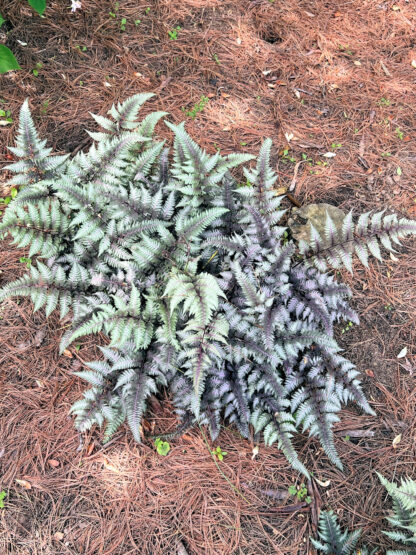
<point x="346" y="49"/>
<point x="27" y="261"/>
<point x="173" y="35"/>
<point x="7" y="115"/>
<point x="219" y="453"/>
<point x="301" y="492"/>
<point x="399" y="133"/>
<point x="113" y="14"/>
<point x="216" y="59"/>
<point x="286" y="157"/>
<point x="384" y="102"/>
<point x="3" y="496"/>
<point x="44" y="108"/>
<point x="347" y="327"/>
<point x="5" y="201"/>
<point x="162" y="447"/>
<point x="199" y="106"/>
<point x="38" y="66"/>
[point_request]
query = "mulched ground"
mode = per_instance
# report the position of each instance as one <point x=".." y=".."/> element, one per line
<point x="315" y="76"/>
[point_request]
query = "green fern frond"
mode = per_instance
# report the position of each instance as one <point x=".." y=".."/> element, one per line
<point x="331" y="538"/>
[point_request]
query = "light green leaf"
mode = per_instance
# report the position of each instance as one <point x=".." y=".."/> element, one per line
<point x="38" y="5"/>
<point x="7" y="60"/>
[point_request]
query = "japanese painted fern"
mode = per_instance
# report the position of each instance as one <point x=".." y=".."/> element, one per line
<point x="191" y="277"/>
<point x="333" y="541"/>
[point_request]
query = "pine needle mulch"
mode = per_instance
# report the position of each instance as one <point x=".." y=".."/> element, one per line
<point x="317" y="77"/>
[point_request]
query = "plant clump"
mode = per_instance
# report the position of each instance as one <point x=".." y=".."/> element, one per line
<point x="194" y="278"/>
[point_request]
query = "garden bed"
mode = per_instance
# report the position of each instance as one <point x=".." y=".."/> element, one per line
<point x="317" y="79"/>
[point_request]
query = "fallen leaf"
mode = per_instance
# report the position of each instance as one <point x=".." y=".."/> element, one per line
<point x="90" y="449"/>
<point x="396" y="441"/>
<point x="4" y="122"/>
<point x="187" y="437"/>
<point x="255" y="452"/>
<point x="357" y="63"/>
<point x="281" y="191"/>
<point x="110" y="466"/>
<point x="369" y="373"/>
<point x="413" y="63"/>
<point x="40" y="383"/>
<point x="67" y="353"/>
<point x="402" y="353"/>
<point x="323" y="484"/>
<point x="59" y="536"/>
<point x="24" y="483"/>
<point x="53" y="462"/>
<point x="329" y="155"/>
<point x="238" y="41"/>
<point x="289" y="137"/>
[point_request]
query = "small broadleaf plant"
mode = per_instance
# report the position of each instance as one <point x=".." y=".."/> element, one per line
<point x="195" y="281"/>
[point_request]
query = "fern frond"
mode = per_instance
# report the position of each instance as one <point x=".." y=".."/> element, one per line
<point x="331" y="538"/>
<point x="365" y="238"/>
<point x="42" y="226"/>
<point x="35" y="161"/>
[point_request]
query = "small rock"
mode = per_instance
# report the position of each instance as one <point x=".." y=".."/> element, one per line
<point x="314" y="214"/>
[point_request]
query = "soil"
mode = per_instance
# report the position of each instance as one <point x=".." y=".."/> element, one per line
<point x="316" y="77"/>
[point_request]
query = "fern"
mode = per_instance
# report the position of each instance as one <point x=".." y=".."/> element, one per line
<point x="331" y="538"/>
<point x="335" y="542"/>
<point x="365" y="238"/>
<point x="195" y="281"/>
<point x="403" y="517"/>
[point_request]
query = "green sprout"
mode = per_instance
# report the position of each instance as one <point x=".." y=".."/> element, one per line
<point x="7" y="115"/>
<point x="199" y="106"/>
<point x="162" y="447"/>
<point x="173" y="35"/>
<point x="38" y="66"/>
<point x="399" y="133"/>
<point x="384" y="102"/>
<point x="301" y="492"/>
<point x="219" y="453"/>
<point x="27" y="261"/>
<point x="45" y="107"/>
<point x="347" y="327"/>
